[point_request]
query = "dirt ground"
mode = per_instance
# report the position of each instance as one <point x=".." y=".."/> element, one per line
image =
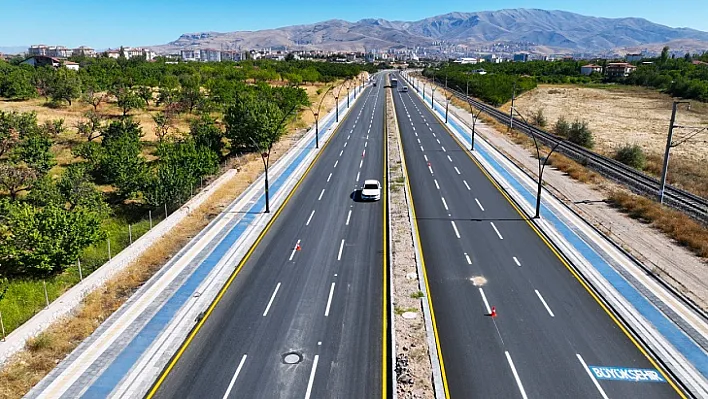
<point x="629" y="115"/>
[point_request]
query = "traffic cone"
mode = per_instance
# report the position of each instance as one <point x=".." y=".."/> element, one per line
<point x="297" y="247"/>
<point x="494" y="312"/>
<point x="428" y="163"/>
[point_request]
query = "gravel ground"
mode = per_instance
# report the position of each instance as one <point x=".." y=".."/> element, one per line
<point x="413" y="368"/>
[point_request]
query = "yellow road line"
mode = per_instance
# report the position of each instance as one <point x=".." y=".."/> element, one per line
<point x="422" y="263"/>
<point x="226" y="286"/>
<point x="564" y="262"/>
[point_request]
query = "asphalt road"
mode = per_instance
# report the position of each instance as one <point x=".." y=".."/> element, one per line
<point x="320" y="307"/>
<point x="480" y="253"/>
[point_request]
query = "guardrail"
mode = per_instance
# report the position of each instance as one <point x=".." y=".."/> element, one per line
<point x="636" y="181"/>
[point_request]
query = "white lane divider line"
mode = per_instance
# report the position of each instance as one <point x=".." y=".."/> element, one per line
<point x="457" y="170"/>
<point x="443" y="148"/>
<point x="426" y="157"/>
<point x="469" y="261"/>
<point x="450" y="159"/>
<point x="421" y="148"/>
<point x="517" y="261"/>
<point x="467" y="185"/>
<point x="457" y="233"/>
<point x="345" y="144"/>
<point x="436" y="184"/>
<point x="366" y="143"/>
<point x="310" y="218"/>
<point x="361" y="163"/>
<point x="295" y="247"/>
<point x="341" y="248"/>
<point x="329" y="177"/>
<point x="495" y="229"/>
<point x="341" y="152"/>
<point x="349" y="215"/>
<point x="272" y="298"/>
<point x="438" y="140"/>
<point x="418" y="141"/>
<point x="357" y="176"/>
<point x="312" y="377"/>
<point x="484" y="298"/>
<point x="321" y="194"/>
<point x="480" y="205"/>
<point x="431" y="169"/>
<point x="233" y="379"/>
<point x="516" y="375"/>
<point x="592" y="377"/>
<point x="329" y="300"/>
<point x="416" y="134"/>
<point x="544" y="303"/>
<point x="444" y="202"/>
<point x="435" y="136"/>
<point x="336" y="163"/>
<point x="367" y="136"/>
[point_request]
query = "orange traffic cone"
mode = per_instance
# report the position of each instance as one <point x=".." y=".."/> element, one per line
<point x="494" y="311"/>
<point x="297" y="247"/>
<point x="428" y="163"/>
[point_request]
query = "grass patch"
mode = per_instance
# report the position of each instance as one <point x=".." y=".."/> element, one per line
<point x="399" y="310"/>
<point x="417" y="295"/>
<point x="678" y="226"/>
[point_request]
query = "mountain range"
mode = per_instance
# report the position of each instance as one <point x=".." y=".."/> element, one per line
<point x="539" y="31"/>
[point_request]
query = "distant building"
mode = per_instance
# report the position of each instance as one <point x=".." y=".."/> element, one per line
<point x="231" y="55"/>
<point x="589" y="69"/>
<point x="466" y="60"/>
<point x="697" y="62"/>
<point x="619" y="69"/>
<point x="43" y="60"/>
<point x="210" y="55"/>
<point x="74" y="66"/>
<point x="83" y="51"/>
<point x="189" y="55"/>
<point x="521" y="57"/>
<point x="37" y="49"/>
<point x="113" y="53"/>
<point x="49" y="51"/>
<point x="633" y="57"/>
<point x="493" y="58"/>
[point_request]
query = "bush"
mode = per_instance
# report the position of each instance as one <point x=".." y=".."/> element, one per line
<point x="539" y="119"/>
<point x="580" y="134"/>
<point x="562" y="127"/>
<point x="631" y="155"/>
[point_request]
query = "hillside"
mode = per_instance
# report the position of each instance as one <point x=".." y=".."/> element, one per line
<point x="543" y="31"/>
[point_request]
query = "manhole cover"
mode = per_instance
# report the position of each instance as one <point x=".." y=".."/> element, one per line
<point x="478" y="281"/>
<point x="409" y="315"/>
<point x="292" y="358"/>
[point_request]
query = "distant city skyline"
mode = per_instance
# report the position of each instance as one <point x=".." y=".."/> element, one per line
<point x="103" y="24"/>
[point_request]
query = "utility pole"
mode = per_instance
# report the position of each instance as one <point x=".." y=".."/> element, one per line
<point x="511" y="111"/>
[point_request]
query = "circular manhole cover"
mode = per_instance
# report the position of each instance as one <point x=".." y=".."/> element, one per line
<point x="292" y="358"/>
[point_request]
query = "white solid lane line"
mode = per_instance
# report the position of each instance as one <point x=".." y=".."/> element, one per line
<point x="544" y="303"/>
<point x="329" y="300"/>
<point x="349" y="215"/>
<point x="448" y="157"/>
<point x="312" y="377"/>
<point x="480" y="205"/>
<point x="436" y="184"/>
<point x="272" y="298"/>
<point x="517" y="261"/>
<point x="321" y="194"/>
<point x="341" y="247"/>
<point x="495" y="229"/>
<point x="233" y="379"/>
<point x="592" y="377"/>
<point x="484" y="298"/>
<point x="336" y="163"/>
<point x="516" y="375"/>
<point x="467" y="185"/>
<point x="444" y="203"/>
<point x="328" y="178"/>
<point x="457" y="170"/>
<point x="310" y="218"/>
<point x="295" y="247"/>
<point x="457" y="233"/>
<point x="469" y="261"/>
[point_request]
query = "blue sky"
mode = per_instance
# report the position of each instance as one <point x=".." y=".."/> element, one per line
<point x="111" y="23"/>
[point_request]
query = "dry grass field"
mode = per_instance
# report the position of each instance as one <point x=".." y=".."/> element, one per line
<point x="630" y="115"/>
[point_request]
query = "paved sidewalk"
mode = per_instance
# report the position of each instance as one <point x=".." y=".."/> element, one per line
<point x="126" y="353"/>
<point x="677" y="334"/>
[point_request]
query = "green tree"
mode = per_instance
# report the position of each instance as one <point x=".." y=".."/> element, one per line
<point x="580" y="134"/>
<point x="254" y="122"/>
<point x="127" y="100"/>
<point x="91" y="126"/>
<point x="93" y="97"/>
<point x="561" y="127"/>
<point x="15" y="178"/>
<point x="164" y="122"/>
<point x="41" y="242"/>
<point x="17" y="85"/>
<point x="145" y="93"/>
<point x="631" y="155"/>
<point x="35" y="150"/>
<point x="65" y="86"/>
<point x="206" y="133"/>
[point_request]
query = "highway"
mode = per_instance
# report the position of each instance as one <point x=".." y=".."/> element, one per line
<point x="482" y="257"/>
<point x="307" y="314"/>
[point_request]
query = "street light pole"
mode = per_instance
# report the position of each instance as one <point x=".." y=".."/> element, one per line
<point x="316" y="114"/>
<point x="474" y="122"/>
<point x="511" y="111"/>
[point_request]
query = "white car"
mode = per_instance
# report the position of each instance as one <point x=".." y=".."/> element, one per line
<point x="371" y="190"/>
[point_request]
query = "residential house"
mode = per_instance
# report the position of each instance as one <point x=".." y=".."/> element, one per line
<point x="83" y="51"/>
<point x="210" y="55"/>
<point x="619" y="69"/>
<point x="589" y="69"/>
<point x="74" y="66"/>
<point x="113" y="53"/>
<point x="59" y="52"/>
<point x="43" y="60"/>
<point x="189" y="55"/>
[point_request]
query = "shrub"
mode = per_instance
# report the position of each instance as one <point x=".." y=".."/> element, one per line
<point x="562" y="127"/>
<point x="580" y="134"/>
<point x="631" y="155"/>
<point x="539" y="119"/>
